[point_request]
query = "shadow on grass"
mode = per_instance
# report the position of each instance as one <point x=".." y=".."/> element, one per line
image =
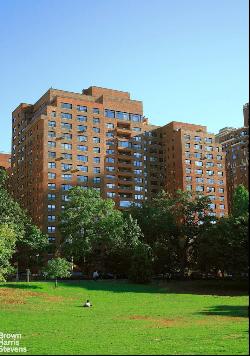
<point x="216" y="287"/>
<point x="19" y="286"/>
<point x="227" y="310"/>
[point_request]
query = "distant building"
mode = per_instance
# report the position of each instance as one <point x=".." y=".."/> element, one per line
<point x="235" y="143"/>
<point x="5" y="159"/>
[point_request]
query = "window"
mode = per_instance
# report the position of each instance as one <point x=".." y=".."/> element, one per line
<point x="67" y="156"/>
<point x="51" y="229"/>
<point x="65" y="115"/>
<point x="221" y="190"/>
<point x="110" y="134"/>
<point x="138" y="188"/>
<point x="210" y="181"/>
<point x="187" y="145"/>
<point x="198" y="163"/>
<point x="96" y="111"/>
<point x="188" y="178"/>
<point x="81" y="118"/>
<point x="82" y="158"/>
<point x="66" y="146"/>
<point x="209" y="156"/>
<point x="96" y="129"/>
<point x="122" y="115"/>
<point x="96" y="159"/>
<point x="82" y="128"/>
<point x="135" y="117"/>
<point x="110" y="126"/>
<point x="66" y="125"/>
<point x="66" y="166"/>
<point x="110" y="195"/>
<point x="51" y="197"/>
<point x="125" y="203"/>
<point x="212" y="197"/>
<point x="66" y="106"/>
<point x="110" y="176"/>
<point x="82" y="148"/>
<point x="197" y="139"/>
<point x="221" y="198"/>
<point x="82" y="179"/>
<point x="51" y="207"/>
<point x="82" y="108"/>
<point x="220" y="174"/>
<point x="212" y="206"/>
<point x="210" y="173"/>
<point x="198" y="147"/>
<point x="51" y="134"/>
<point x="209" y="148"/>
<point x="189" y="187"/>
<point x="51" y="165"/>
<point x="199" y="188"/>
<point x="110" y="185"/>
<point x="51" y="175"/>
<point x="65" y="198"/>
<point x="197" y="155"/>
<point x="219" y="157"/>
<point x="208" y="140"/>
<point x="220" y="182"/>
<point x="66" y="187"/>
<point x="51" y="154"/>
<point x="110" y="152"/>
<point x="209" y="164"/>
<point x="96" y="139"/>
<point x="109" y="113"/>
<point x="96" y="180"/>
<point x="67" y="136"/>
<point x="187" y="161"/>
<point x="67" y="176"/>
<point x="188" y="170"/>
<point x="96" y="120"/>
<point x="187" y="154"/>
<point x="110" y="160"/>
<point x="51" y="218"/>
<point x="138" y="163"/>
<point x="82" y="138"/>
<point x="199" y="180"/>
<point x="96" y="149"/>
<point x="51" y="186"/>
<point x="210" y="189"/>
<point x="139" y="196"/>
<point x="110" y="168"/>
<point x="137" y="171"/>
<point x="138" y="129"/>
<point x="97" y="170"/>
<point x="186" y="137"/>
<point x="53" y="114"/>
<point x="52" y="124"/>
<point x="82" y="168"/>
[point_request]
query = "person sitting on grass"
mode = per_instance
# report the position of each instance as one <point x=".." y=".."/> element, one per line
<point x="87" y="304"/>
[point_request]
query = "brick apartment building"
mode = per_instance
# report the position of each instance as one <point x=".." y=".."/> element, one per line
<point x="5" y="161"/>
<point x="235" y="143"/>
<point x="99" y="138"/>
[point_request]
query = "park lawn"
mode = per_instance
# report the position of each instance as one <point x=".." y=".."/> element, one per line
<point x="125" y="319"/>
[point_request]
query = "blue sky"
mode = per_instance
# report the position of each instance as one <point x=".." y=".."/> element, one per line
<point x="187" y="60"/>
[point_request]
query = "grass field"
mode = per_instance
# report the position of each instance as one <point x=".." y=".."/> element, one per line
<point x="188" y="318"/>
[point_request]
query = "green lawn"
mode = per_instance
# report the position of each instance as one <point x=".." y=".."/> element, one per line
<point x="188" y="318"/>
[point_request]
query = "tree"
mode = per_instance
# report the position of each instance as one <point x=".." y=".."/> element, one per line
<point x="29" y="238"/>
<point x="240" y="205"/>
<point x="7" y="249"/>
<point x="141" y="264"/>
<point x="57" y="268"/>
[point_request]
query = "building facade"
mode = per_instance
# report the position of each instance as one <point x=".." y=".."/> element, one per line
<point x="194" y="162"/>
<point x="235" y="144"/>
<point x="100" y="139"/>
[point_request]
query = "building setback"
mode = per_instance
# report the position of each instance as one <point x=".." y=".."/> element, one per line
<point x="235" y="143"/>
<point x="99" y="138"/>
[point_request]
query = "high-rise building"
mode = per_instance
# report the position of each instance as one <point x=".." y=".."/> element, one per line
<point x="235" y="143"/>
<point x="194" y="162"/>
<point x="99" y="138"/>
<point x="5" y="161"/>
